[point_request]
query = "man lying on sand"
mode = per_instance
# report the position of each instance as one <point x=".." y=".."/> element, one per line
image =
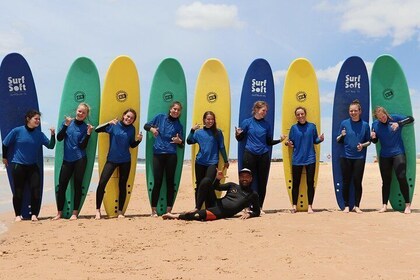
<point x="236" y="199"/>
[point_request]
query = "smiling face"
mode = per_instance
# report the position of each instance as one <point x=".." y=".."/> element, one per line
<point x="300" y="115"/>
<point x="208" y="120"/>
<point x="81" y="113"/>
<point x="260" y="113"/>
<point x="245" y="179"/>
<point x="34" y="121"/>
<point x="355" y="112"/>
<point x="128" y="118"/>
<point x="175" y="111"/>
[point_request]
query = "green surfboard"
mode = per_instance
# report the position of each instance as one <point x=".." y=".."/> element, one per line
<point x="389" y="89"/>
<point x="81" y="85"/>
<point x="168" y="85"/>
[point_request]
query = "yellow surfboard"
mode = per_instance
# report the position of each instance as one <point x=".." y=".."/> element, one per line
<point x="212" y="93"/>
<point x="120" y="92"/>
<point x="300" y="89"/>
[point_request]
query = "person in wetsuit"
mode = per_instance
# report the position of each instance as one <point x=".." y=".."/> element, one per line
<point x="387" y="129"/>
<point x="236" y="199"/>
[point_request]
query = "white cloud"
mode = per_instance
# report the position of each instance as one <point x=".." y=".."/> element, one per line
<point x="208" y="16"/>
<point x="11" y="41"/>
<point x="397" y="19"/>
<point x="330" y="74"/>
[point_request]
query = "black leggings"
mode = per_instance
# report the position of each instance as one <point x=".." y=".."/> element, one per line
<point x="124" y="170"/>
<point x="352" y="170"/>
<point x="22" y="174"/>
<point x="164" y="164"/>
<point x="260" y="167"/>
<point x="77" y="170"/>
<point x="398" y="164"/>
<point x="310" y="181"/>
<point x="204" y="172"/>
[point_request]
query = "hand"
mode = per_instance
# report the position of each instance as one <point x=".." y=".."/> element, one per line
<point x="359" y="147"/>
<point x="176" y="139"/>
<point x="90" y="129"/>
<point x="139" y="136"/>
<point x="282" y="138"/>
<point x="67" y="120"/>
<point x="373" y="134"/>
<point x="238" y="130"/>
<point x="394" y="126"/>
<point x="155" y="131"/>
<point x="343" y="131"/>
<point x="290" y="143"/>
<point x="114" y="121"/>
<point x="226" y="165"/>
<point x="52" y="129"/>
<point x="5" y="162"/>
<point x="245" y="216"/>
<point x="196" y="126"/>
<point x="321" y="137"/>
<point x="219" y="174"/>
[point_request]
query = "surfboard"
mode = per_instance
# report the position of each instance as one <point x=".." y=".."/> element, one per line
<point x="352" y="83"/>
<point x="81" y="85"/>
<point x="168" y="85"/>
<point x="390" y="90"/>
<point x="17" y="96"/>
<point x="258" y="85"/>
<point x="121" y="91"/>
<point x="300" y="89"/>
<point x="212" y="93"/>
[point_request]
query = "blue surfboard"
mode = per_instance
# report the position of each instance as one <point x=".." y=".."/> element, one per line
<point x="352" y="83"/>
<point x="258" y="86"/>
<point x="17" y="96"/>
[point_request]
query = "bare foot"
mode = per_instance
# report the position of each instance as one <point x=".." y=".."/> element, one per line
<point x="358" y="210"/>
<point x="262" y="212"/>
<point x="346" y="209"/>
<point x="57" y="217"/>
<point x="73" y="217"/>
<point x="154" y="212"/>
<point x="98" y="215"/>
<point x="293" y="210"/>
<point x="120" y="215"/>
<point x="407" y="208"/>
<point x="170" y="216"/>
<point x="18" y="219"/>
<point x="310" y="210"/>
<point x="34" y="218"/>
<point x="168" y="209"/>
<point x="383" y="209"/>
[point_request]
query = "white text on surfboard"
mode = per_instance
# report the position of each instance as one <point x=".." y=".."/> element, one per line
<point x="17" y="84"/>
<point x="352" y="81"/>
<point x="259" y="86"/>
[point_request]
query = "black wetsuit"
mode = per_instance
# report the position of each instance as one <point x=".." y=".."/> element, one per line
<point x="236" y="199"/>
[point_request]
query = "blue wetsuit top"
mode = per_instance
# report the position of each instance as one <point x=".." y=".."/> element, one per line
<point x="209" y="145"/>
<point x="121" y="138"/>
<point x="75" y="140"/>
<point x="258" y="135"/>
<point x="27" y="143"/>
<point x="356" y="132"/>
<point x="391" y="141"/>
<point x="168" y="127"/>
<point x="303" y="136"/>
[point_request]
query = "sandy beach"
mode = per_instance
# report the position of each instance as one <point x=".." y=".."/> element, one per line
<point x="278" y="245"/>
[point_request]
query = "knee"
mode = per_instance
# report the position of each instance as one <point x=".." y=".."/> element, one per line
<point x="205" y="183"/>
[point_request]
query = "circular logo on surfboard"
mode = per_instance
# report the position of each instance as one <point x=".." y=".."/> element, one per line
<point x="79" y="96"/>
<point x="121" y="96"/>
<point x="167" y="96"/>
<point x="301" y="96"/>
<point x="211" y="97"/>
<point x="388" y="93"/>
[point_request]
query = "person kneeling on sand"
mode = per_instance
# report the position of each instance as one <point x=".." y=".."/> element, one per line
<point x="236" y="199"/>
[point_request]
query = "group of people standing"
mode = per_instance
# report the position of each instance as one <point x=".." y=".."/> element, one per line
<point x="355" y="135"/>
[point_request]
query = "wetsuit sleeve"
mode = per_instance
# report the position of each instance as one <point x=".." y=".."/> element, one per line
<point x="190" y="138"/>
<point x="83" y="144"/>
<point x="62" y="133"/>
<point x="4" y="151"/>
<point x="255" y="206"/>
<point x="134" y="144"/>
<point x="222" y="148"/>
<point x="224" y="155"/>
<point x="271" y="142"/>
<point x="405" y="121"/>
<point x="102" y="127"/>
<point x="219" y="187"/>
<point x="147" y="126"/>
<point x="240" y="136"/>
<point x="51" y="144"/>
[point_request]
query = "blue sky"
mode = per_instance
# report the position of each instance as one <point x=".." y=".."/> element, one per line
<point x="52" y="34"/>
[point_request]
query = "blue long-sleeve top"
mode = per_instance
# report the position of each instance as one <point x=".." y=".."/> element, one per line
<point x="356" y="132"/>
<point x="168" y="127"/>
<point x="391" y="141"/>
<point x="75" y="140"/>
<point x="257" y="134"/>
<point x="209" y="146"/>
<point x="26" y="143"/>
<point x="121" y="138"/>
<point x="303" y="136"/>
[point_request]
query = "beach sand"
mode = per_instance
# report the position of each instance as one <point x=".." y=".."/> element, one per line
<point x="326" y="245"/>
